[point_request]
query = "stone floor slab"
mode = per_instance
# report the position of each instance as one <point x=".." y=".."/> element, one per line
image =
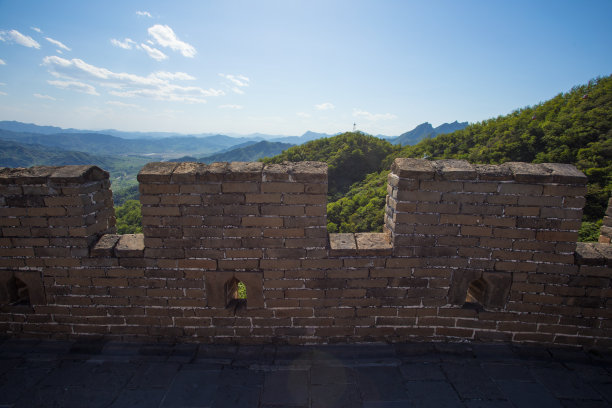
<point x="527" y="394"/>
<point x="228" y="395"/>
<point x="471" y="382"/>
<point x="139" y="398"/>
<point x="507" y="371"/>
<point x="192" y="388"/>
<point x="154" y="375"/>
<point x="286" y="388"/>
<point x="422" y="372"/>
<point x="564" y="384"/>
<point x="432" y="394"/>
<point x="335" y="395"/>
<point x="380" y="384"/>
<point x="326" y="375"/>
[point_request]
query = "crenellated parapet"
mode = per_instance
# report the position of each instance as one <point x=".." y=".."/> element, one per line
<point x="239" y="252"/>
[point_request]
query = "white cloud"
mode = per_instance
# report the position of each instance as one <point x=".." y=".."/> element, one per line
<point x="40" y="96"/>
<point x="75" y="86"/>
<point x="2" y="62"/>
<point x="156" y="86"/>
<point x="144" y="14"/>
<point x="166" y="37"/>
<point x="230" y="106"/>
<point x="173" y="75"/>
<point x="38" y="30"/>
<point x="154" y="53"/>
<point x="3" y="93"/>
<point x="358" y="113"/>
<point x="325" y="106"/>
<point x="238" y="81"/>
<point x="16" y="36"/>
<point x="122" y="104"/>
<point x="125" y="44"/>
<point x="304" y="115"/>
<point x="57" y="43"/>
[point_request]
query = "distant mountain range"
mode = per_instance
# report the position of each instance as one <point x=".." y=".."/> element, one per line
<point x="21" y="127"/>
<point x="250" y="152"/>
<point x="167" y="146"/>
<point x="13" y="154"/>
<point x="427" y="130"/>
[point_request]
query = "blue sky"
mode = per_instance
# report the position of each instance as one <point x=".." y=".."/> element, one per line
<point x="284" y="67"/>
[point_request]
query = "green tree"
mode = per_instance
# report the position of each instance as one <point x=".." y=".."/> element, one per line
<point x="129" y="218"/>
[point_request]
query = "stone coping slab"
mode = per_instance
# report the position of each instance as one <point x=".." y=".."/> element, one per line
<point x="421" y="169"/>
<point x="360" y="244"/>
<point x="165" y="172"/>
<point x="592" y="253"/>
<point x="57" y="175"/>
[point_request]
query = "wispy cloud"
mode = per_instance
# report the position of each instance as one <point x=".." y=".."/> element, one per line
<point x="154" y="53"/>
<point x="75" y="86"/>
<point x="38" y="30"/>
<point x="358" y="113"/>
<point x="181" y="76"/>
<point x="304" y="115"/>
<point x="144" y="14"/>
<point x="2" y="62"/>
<point x="125" y="44"/>
<point x="324" y="106"/>
<point x="21" y="39"/>
<point x="3" y="93"/>
<point x="237" y="82"/>
<point x="157" y="85"/>
<point x="57" y="43"/>
<point x="230" y="107"/>
<point x="40" y="96"/>
<point x="165" y="37"/>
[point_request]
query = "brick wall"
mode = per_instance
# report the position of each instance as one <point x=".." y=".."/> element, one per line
<point x="469" y="252"/>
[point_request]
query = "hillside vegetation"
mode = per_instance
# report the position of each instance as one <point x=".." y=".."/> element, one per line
<point x="350" y="156"/>
<point x="573" y="127"/>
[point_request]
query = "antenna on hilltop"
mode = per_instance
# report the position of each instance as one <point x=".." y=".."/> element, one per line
<point x="354" y="126"/>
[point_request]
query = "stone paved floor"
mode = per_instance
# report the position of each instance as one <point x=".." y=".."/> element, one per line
<point x="95" y="374"/>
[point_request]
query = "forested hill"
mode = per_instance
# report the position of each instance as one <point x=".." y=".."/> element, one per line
<point x="350" y="157"/>
<point x="573" y="127"/>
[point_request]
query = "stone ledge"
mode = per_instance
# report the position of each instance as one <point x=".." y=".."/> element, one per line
<point x="190" y="172"/>
<point x="360" y="244"/>
<point x="591" y="253"/>
<point x="130" y="246"/>
<point x="156" y="172"/>
<point x="343" y="244"/>
<point x="422" y="169"/>
<point x="120" y="246"/>
<point x="58" y="175"/>
<point x="374" y="244"/>
<point x="105" y="246"/>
